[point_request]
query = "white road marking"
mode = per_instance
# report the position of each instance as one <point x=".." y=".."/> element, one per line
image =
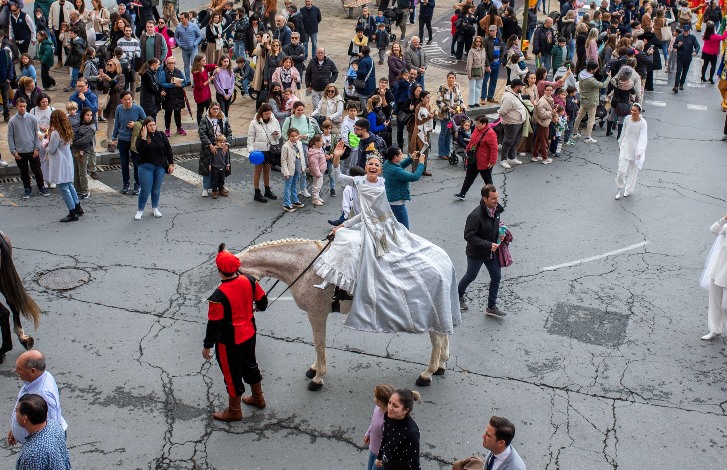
<point x="95" y="186"/>
<point x="696" y="107"/>
<point x="187" y="175"/>
<point x="597" y="257"/>
<point x="655" y="103"/>
<point x="696" y="85"/>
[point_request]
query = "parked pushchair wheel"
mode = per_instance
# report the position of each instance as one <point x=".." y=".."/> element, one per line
<point x="453" y="159"/>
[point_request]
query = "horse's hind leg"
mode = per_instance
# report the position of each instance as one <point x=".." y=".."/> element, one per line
<point x="25" y="340"/>
<point x="443" y="356"/>
<point x="319" y="367"/>
<point x="6" y="333"/>
<point x="425" y="379"/>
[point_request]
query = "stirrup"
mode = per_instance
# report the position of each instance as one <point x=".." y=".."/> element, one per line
<point x="340" y="294"/>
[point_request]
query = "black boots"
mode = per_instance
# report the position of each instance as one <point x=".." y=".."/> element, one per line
<point x="269" y="194"/>
<point x="620" y="126"/>
<point x="79" y="210"/>
<point x="259" y="196"/>
<point x="71" y="217"/>
<point x="609" y="126"/>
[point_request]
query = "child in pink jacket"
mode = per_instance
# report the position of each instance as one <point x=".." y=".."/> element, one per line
<point x="317" y="166"/>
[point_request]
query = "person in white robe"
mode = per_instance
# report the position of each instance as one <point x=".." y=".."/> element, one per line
<point x="400" y="282"/>
<point x="632" y="147"/>
<point x="714" y="279"/>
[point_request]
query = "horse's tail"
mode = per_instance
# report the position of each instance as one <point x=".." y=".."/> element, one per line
<point x="12" y="286"/>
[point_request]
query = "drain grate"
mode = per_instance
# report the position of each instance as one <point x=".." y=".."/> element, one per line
<point x="589" y="325"/>
<point x="64" y="278"/>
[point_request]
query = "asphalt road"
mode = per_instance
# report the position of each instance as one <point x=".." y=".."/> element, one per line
<point x="598" y="363"/>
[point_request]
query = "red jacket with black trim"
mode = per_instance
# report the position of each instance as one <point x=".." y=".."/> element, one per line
<point x="230" y="316"/>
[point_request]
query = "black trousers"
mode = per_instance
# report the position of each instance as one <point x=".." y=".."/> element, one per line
<point x="217" y="179"/>
<point x="711" y="60"/>
<point x="425" y="21"/>
<point x="4" y="92"/>
<point x="201" y="108"/>
<point x="682" y="70"/>
<point x="238" y="365"/>
<point x="45" y="77"/>
<point x="34" y="162"/>
<point x="168" y="118"/>
<point x="471" y="176"/>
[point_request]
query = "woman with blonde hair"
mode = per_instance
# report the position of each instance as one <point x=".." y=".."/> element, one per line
<point x="331" y="107"/>
<point x="111" y="82"/>
<point x="60" y="162"/>
<point x="592" y="46"/>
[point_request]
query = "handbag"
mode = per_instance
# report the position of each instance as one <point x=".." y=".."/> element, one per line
<point x="601" y="111"/>
<point x="103" y="101"/>
<point x="274" y="150"/>
<point x="623" y="109"/>
<point x="476" y="72"/>
<point x="358" y="83"/>
<point x="666" y="33"/>
<point x="472" y="151"/>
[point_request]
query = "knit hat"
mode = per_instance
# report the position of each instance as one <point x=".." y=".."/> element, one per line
<point x="226" y="261"/>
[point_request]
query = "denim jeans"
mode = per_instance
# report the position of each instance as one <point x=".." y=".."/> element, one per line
<point x="313" y="40"/>
<point x="371" y="465"/>
<point x="401" y="214"/>
<point x="290" y="194"/>
<point x="206" y="182"/>
<point x="126" y="155"/>
<point x="74" y="76"/>
<point x="488" y="91"/>
<point x="246" y="86"/>
<point x="445" y="138"/>
<point x="187" y="58"/>
<point x="665" y="50"/>
<point x="331" y="179"/>
<point x="302" y="180"/>
<point x="473" y="269"/>
<point x="239" y="49"/>
<point x="68" y="192"/>
<point x="420" y="79"/>
<point x="475" y="86"/>
<point x="151" y="177"/>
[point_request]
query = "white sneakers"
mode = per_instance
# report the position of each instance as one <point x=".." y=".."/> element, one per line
<point x="590" y="140"/>
<point x="514" y="161"/>
<point x="157" y="214"/>
<point x="537" y="159"/>
<point x="626" y="194"/>
<point x="618" y="195"/>
<point x="305" y="193"/>
<point x="139" y="215"/>
<point x="547" y="161"/>
<point x="710" y="336"/>
<point x="504" y="164"/>
<point x="205" y="193"/>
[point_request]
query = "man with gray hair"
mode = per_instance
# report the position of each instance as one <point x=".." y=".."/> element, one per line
<point x="30" y="367"/>
<point x="416" y="58"/>
<point x="320" y="72"/>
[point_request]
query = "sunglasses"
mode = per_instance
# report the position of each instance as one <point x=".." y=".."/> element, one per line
<point x="330" y="91"/>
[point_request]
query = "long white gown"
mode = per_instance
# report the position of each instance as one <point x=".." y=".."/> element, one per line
<point x="400" y="282"/>
<point x="714" y="279"/>
<point x="632" y="143"/>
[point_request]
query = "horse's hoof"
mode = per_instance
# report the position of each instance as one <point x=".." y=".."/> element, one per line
<point x="439" y="371"/>
<point x="422" y="382"/>
<point x="314" y="387"/>
<point x="310" y="373"/>
<point x="28" y="343"/>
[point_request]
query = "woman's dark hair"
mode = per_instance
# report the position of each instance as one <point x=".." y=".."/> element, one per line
<point x="407" y="398"/>
<point x="709" y="30"/>
<point x="40" y="97"/>
<point x="84" y="111"/>
<point x="510" y="11"/>
<point x="452" y="74"/>
<point x="391" y="153"/>
<point x="482" y="119"/>
<point x="413" y="89"/>
<point x="147" y="65"/>
<point x="540" y="74"/>
<point x="262" y="109"/>
<point x="424" y="94"/>
<point x="277" y="95"/>
<point x="493" y="14"/>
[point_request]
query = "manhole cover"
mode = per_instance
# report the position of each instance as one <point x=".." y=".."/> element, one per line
<point x="64" y="278"/>
<point x="589" y="325"/>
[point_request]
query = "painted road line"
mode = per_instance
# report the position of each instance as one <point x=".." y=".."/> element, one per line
<point x="656" y="103"/>
<point x="696" y="107"/>
<point x="595" y="258"/>
<point x="95" y="186"/>
<point x="187" y="176"/>
<point x="696" y="85"/>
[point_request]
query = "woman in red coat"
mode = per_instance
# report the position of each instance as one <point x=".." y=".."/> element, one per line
<point x="201" y="84"/>
<point x="484" y="141"/>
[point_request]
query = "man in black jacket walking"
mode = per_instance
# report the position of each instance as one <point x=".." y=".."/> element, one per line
<point x="482" y="232"/>
<point x="321" y="72"/>
<point x="686" y="46"/>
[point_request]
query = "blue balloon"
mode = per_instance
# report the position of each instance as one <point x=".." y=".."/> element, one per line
<point x="256" y="157"/>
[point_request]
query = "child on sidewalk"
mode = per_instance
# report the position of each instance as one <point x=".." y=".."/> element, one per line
<point x="557" y="128"/>
<point x="375" y="432"/>
<point x="292" y="166"/>
<point x="219" y="166"/>
<point x="382" y="41"/>
<point x="246" y="72"/>
<point x="317" y="166"/>
<point x="329" y="143"/>
<point x="81" y="148"/>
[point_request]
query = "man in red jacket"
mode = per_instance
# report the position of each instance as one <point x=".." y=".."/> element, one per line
<point x="484" y="143"/>
<point x="231" y="331"/>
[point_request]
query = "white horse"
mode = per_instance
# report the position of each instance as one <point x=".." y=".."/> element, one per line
<point x="285" y="260"/>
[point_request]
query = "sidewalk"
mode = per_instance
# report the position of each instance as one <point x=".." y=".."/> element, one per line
<point x="337" y="30"/>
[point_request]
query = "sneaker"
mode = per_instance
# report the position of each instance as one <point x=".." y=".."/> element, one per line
<point x="590" y="140"/>
<point x="334" y="223"/>
<point x="459" y="196"/>
<point x="333" y="193"/>
<point x="205" y="193"/>
<point x="52" y="88"/>
<point x="317" y="202"/>
<point x="44" y="192"/>
<point x="157" y="214"/>
<point x="298" y="205"/>
<point x="570" y="142"/>
<point x="537" y="159"/>
<point x="139" y="215"/>
<point x="627" y="194"/>
<point x="288" y="209"/>
<point x="504" y="164"/>
<point x="462" y="304"/>
<point x="181" y="131"/>
<point x="85" y="195"/>
<point x="3" y="163"/>
<point x="125" y="189"/>
<point x="68" y="89"/>
<point x="618" y="195"/>
<point x="135" y="192"/>
<point x="521" y="154"/>
<point x="575" y="136"/>
<point x="514" y="161"/>
<point x="27" y="193"/>
<point x="304" y="193"/>
<point x="168" y="133"/>
<point x="495" y="312"/>
<point x="52" y="186"/>
<point x="547" y="161"/>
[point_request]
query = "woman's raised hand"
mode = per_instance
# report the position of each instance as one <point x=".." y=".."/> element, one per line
<point x="337" y="153"/>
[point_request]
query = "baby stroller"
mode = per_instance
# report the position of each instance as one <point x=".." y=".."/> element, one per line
<point x="455" y="124"/>
<point x="390" y="16"/>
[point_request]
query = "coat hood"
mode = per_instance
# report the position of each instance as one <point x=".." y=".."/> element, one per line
<point x="584" y="75"/>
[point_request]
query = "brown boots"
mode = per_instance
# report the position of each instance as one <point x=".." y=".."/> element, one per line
<point x="256" y="399"/>
<point x="232" y="413"/>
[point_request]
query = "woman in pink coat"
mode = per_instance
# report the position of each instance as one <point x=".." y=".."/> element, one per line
<point x="287" y="75"/>
<point x="168" y="36"/>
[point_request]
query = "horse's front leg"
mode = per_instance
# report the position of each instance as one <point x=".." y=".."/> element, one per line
<point x="444" y="355"/>
<point x="319" y="368"/>
<point x="425" y="379"/>
<point x="25" y="340"/>
<point x="6" y="333"/>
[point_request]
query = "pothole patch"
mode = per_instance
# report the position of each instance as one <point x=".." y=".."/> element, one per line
<point x="64" y="278"/>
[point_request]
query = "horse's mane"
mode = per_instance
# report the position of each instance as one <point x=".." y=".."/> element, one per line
<point x="274" y="243"/>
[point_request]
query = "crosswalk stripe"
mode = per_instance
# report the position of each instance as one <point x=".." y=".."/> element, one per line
<point x="187" y="175"/>
<point x="696" y="107"/>
<point x="655" y="103"/>
<point x="95" y="186"/>
<point x="696" y="85"/>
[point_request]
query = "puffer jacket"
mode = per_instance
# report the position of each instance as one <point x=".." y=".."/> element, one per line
<point x="512" y="108"/>
<point x="481" y="231"/>
<point x="207" y="137"/>
<point x="543" y="114"/>
<point x="397" y="179"/>
<point x="287" y="158"/>
<point x="175" y="95"/>
<point x="260" y="134"/>
<point x="485" y="145"/>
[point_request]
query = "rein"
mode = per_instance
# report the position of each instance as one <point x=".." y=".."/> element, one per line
<point x="330" y="239"/>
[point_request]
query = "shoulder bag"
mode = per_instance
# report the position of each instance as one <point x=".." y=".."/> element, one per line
<point x="360" y="84"/>
<point x="103" y="101"/>
<point x="274" y="149"/>
<point x="472" y="152"/>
